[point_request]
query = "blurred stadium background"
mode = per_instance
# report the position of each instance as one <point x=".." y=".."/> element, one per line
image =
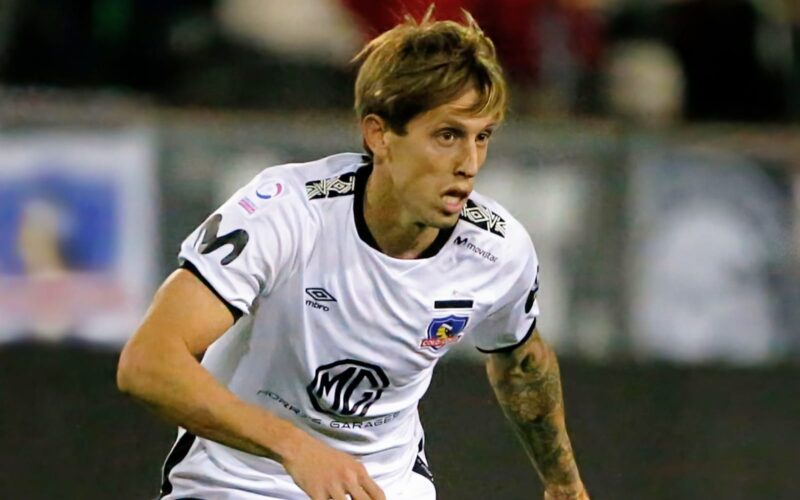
<point x="652" y="151"/>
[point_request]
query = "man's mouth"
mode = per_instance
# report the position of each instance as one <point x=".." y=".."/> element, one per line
<point x="454" y="199"/>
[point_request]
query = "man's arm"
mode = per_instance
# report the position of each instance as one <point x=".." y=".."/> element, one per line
<point x="159" y="366"/>
<point x="527" y="384"/>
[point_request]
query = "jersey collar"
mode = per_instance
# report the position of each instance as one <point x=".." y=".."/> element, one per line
<point x="362" y="174"/>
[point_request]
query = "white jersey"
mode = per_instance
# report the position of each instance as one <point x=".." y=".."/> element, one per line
<point x="336" y="336"/>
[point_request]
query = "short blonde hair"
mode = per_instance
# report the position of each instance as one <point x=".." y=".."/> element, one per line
<point x="417" y="66"/>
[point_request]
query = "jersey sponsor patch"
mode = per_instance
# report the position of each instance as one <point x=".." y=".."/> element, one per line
<point x="347" y="388"/>
<point x="463" y="241"/>
<point x="209" y="239"/>
<point x="331" y="187"/>
<point x="477" y="214"/>
<point x="333" y="424"/>
<point x="443" y="331"/>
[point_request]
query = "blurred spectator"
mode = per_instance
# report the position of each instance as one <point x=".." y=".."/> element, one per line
<point x="734" y="57"/>
<point x="272" y="27"/>
<point x="550" y="45"/>
<point x="645" y="83"/>
<point x="739" y="59"/>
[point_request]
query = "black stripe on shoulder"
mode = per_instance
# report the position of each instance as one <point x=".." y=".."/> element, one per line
<point x="481" y="216"/>
<point x="178" y="453"/>
<point x="235" y="311"/>
<point x="453" y="304"/>
<point x="341" y="185"/>
<point x="511" y="347"/>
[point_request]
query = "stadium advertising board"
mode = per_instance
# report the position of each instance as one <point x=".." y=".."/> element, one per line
<point x="78" y="239"/>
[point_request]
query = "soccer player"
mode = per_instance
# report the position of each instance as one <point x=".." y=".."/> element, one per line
<point x="321" y="296"/>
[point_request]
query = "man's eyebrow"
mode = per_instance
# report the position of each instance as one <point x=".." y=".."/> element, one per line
<point x="461" y="126"/>
<point x="451" y="124"/>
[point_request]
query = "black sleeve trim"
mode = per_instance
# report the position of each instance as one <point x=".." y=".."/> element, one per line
<point x="176" y="456"/>
<point x="235" y="311"/>
<point x="511" y="347"/>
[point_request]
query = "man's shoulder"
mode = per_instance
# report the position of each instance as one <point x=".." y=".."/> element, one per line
<point x="497" y="236"/>
<point x="295" y="184"/>
<point x="333" y="177"/>
<point x="488" y="215"/>
<point x="302" y="173"/>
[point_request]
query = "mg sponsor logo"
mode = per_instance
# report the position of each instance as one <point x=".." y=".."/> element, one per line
<point x="347" y="388"/>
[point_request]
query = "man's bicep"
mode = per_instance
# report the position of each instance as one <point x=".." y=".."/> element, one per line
<point x="186" y="309"/>
<point x="529" y="356"/>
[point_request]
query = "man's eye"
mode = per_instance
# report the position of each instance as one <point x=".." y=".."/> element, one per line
<point x="483" y="138"/>
<point x="447" y="135"/>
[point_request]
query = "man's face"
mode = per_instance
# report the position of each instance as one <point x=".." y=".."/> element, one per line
<point x="433" y="166"/>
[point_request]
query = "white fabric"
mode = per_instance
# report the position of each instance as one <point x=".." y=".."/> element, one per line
<point x="336" y="334"/>
<point x="198" y="476"/>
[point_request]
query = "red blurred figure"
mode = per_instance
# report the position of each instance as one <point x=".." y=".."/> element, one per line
<point x="520" y="29"/>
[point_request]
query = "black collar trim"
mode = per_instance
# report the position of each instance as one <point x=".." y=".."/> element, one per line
<point x="362" y="175"/>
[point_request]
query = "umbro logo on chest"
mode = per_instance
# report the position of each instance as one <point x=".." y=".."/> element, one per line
<point x="318" y="297"/>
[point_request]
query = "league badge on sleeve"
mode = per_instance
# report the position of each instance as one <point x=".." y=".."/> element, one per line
<point x="443" y="331"/>
<point x="269" y="189"/>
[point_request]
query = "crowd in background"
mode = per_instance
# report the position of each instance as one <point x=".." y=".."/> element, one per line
<point x="656" y="245"/>
<point x="717" y="60"/>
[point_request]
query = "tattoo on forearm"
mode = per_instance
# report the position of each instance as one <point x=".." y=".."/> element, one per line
<point x="530" y="395"/>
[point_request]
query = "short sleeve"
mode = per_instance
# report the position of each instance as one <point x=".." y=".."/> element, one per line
<point x="244" y="248"/>
<point x="513" y="318"/>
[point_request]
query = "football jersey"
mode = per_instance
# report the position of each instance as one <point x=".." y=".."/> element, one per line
<point x="336" y="336"/>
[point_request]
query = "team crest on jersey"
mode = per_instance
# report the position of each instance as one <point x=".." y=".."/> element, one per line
<point x="484" y="218"/>
<point x="332" y="187"/>
<point x="443" y="331"/>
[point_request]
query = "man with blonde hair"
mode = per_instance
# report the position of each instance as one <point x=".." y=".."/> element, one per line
<point x="323" y="294"/>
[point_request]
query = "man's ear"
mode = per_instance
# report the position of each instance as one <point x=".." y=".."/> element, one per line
<point x="374" y="130"/>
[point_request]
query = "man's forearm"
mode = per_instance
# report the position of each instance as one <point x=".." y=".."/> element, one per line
<point x="527" y="383"/>
<point x="182" y="391"/>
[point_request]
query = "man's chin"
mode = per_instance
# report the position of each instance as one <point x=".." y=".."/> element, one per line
<point x="445" y="221"/>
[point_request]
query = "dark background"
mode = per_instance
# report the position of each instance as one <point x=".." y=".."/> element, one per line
<point x="639" y="432"/>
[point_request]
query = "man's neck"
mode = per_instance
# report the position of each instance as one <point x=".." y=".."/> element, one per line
<point x="396" y="234"/>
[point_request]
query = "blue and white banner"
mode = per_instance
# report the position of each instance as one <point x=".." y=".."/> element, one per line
<point x="78" y="236"/>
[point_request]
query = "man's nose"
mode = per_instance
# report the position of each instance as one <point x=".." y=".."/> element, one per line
<point x="469" y="162"/>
